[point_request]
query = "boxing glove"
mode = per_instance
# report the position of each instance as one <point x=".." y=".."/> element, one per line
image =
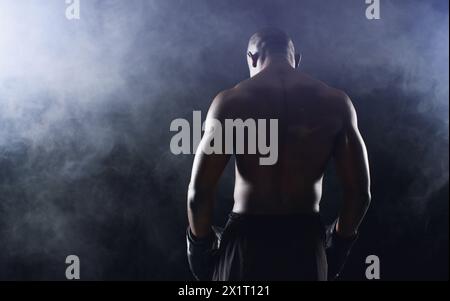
<point x="201" y="253"/>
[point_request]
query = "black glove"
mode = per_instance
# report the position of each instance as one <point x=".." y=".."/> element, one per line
<point x="337" y="248"/>
<point x="201" y="253"/>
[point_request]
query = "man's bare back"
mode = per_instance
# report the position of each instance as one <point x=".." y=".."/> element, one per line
<point x="310" y="119"/>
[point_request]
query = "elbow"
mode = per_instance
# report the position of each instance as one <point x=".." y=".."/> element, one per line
<point x="366" y="199"/>
<point x="363" y="198"/>
<point x="192" y="199"/>
<point x="197" y="197"/>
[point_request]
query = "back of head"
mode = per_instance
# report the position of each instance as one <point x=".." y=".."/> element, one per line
<point x="272" y="41"/>
<point x="268" y="46"/>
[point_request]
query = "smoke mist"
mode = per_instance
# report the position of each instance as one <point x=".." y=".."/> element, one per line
<point x="85" y="109"/>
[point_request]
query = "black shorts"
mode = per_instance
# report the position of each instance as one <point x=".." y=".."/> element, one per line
<point x="272" y="247"/>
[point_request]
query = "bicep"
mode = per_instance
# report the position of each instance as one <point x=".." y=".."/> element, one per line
<point x="350" y="155"/>
<point x="209" y="165"/>
<point x="207" y="168"/>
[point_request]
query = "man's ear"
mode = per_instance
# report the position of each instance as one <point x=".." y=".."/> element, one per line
<point x="298" y="59"/>
<point x="254" y="58"/>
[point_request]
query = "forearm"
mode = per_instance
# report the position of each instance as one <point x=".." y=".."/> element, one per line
<point x="354" y="208"/>
<point x="200" y="211"/>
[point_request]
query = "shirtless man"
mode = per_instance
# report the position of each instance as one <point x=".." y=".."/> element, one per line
<point x="274" y="231"/>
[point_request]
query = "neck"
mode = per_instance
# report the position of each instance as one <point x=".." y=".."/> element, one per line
<point x="279" y="62"/>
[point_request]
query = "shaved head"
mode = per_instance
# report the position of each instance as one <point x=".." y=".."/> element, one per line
<point x="268" y="44"/>
<point x="271" y="41"/>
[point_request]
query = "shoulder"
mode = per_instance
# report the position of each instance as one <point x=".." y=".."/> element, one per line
<point x="223" y="105"/>
<point x="227" y="102"/>
<point x="336" y="98"/>
<point x="342" y="104"/>
<point x="322" y="91"/>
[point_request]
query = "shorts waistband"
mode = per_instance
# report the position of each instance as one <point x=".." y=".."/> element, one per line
<point x="274" y="219"/>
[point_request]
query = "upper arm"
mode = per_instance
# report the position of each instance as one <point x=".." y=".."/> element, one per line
<point x="350" y="153"/>
<point x="207" y="168"/>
